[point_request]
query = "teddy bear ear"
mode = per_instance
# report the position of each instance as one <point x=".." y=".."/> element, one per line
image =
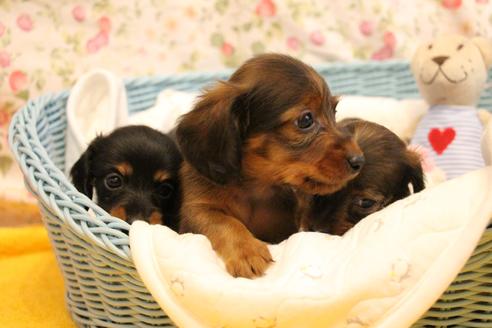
<point x="485" y="47"/>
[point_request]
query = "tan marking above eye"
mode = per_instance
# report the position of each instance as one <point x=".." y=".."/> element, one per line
<point x="161" y="175"/>
<point x="370" y="194"/>
<point x="125" y="168"/>
<point x="313" y="104"/>
<point x="292" y="114"/>
<point x="119" y="212"/>
<point x="156" y="218"/>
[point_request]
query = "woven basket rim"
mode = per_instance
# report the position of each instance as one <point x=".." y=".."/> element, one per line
<point x="113" y="229"/>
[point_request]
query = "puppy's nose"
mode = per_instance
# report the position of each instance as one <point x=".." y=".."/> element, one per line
<point x="356" y="162"/>
<point x="439" y="60"/>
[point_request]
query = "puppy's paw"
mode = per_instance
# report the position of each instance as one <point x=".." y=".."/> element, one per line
<point x="247" y="259"/>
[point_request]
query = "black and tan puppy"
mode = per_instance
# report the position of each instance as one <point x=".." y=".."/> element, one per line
<point x="385" y="178"/>
<point x="253" y="147"/>
<point x="134" y="171"/>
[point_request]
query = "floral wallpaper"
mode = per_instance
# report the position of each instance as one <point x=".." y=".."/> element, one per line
<point x="46" y="44"/>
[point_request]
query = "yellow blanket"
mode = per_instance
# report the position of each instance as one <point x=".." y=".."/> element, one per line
<point x="31" y="285"/>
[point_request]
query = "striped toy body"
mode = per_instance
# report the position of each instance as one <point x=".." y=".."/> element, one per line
<point x="451" y="134"/>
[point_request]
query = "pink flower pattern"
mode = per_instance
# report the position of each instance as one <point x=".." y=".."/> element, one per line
<point x="17" y="81"/>
<point x="317" y="38"/>
<point x="227" y="49"/>
<point x="101" y="39"/>
<point x="78" y="13"/>
<point x="46" y="45"/>
<point x="4" y="59"/>
<point x="24" y="22"/>
<point x="366" y="28"/>
<point x="389" y="39"/>
<point x="97" y="42"/>
<point x="388" y="49"/>
<point x="451" y="4"/>
<point x="266" y="8"/>
<point x="104" y="24"/>
<point x="385" y="52"/>
<point x="293" y="43"/>
<point x="4" y="118"/>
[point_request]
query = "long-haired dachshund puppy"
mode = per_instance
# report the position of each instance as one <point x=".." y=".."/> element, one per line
<point x="134" y="171"/>
<point x="251" y="146"/>
<point x="385" y="178"/>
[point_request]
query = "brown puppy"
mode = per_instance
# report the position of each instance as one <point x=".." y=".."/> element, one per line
<point x="253" y="144"/>
<point x="389" y="169"/>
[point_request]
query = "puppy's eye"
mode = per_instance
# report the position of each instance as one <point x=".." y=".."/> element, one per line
<point x="113" y="181"/>
<point x="165" y="190"/>
<point x="459" y="47"/>
<point x="305" y="121"/>
<point x="429" y="46"/>
<point x="365" y="203"/>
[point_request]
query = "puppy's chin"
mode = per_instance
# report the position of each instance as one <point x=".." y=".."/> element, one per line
<point x="317" y="186"/>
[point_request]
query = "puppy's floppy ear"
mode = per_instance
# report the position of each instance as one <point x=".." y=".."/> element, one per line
<point x="80" y="173"/>
<point x="335" y="100"/>
<point x="210" y="136"/>
<point x="414" y="172"/>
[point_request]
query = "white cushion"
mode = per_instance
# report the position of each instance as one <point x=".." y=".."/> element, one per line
<point x="387" y="271"/>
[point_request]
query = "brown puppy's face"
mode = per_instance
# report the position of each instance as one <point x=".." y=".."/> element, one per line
<point x="304" y="151"/>
<point x="273" y="122"/>
<point x="134" y="172"/>
<point x="389" y="169"/>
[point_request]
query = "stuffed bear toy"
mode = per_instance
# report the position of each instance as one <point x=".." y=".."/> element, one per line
<point x="451" y="72"/>
<point x="487" y="144"/>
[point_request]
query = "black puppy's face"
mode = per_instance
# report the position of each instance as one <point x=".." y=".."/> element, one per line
<point x="134" y="171"/>
<point x="389" y="169"/>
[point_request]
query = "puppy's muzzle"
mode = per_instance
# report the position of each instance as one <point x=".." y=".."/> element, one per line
<point x="356" y="162"/>
<point x="141" y="207"/>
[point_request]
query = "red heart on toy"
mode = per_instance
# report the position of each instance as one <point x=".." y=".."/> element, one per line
<point x="440" y="139"/>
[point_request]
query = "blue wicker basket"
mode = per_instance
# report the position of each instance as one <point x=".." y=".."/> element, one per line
<point x="103" y="288"/>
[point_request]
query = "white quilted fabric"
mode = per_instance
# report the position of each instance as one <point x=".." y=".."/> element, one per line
<point x="385" y="272"/>
<point x="487" y="143"/>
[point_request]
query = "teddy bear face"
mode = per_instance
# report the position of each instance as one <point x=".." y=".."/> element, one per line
<point x="450" y="70"/>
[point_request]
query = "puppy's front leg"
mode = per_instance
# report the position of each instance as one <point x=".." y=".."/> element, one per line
<point x="303" y="211"/>
<point x="243" y="254"/>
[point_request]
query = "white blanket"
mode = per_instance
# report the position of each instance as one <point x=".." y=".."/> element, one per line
<point x="385" y="272"/>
